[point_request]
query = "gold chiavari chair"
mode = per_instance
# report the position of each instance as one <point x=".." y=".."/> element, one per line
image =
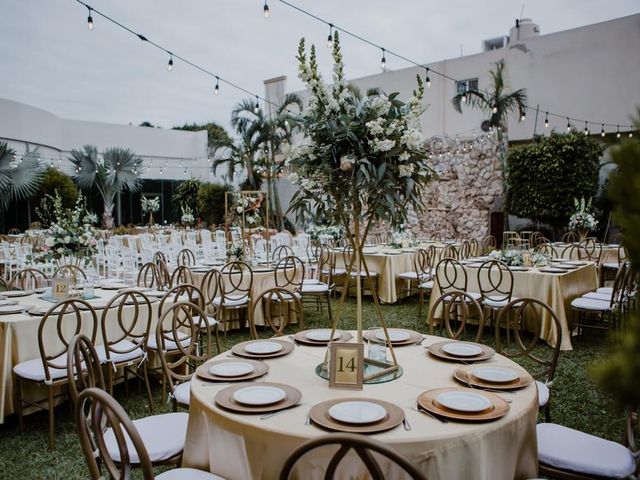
<point x="281" y="252"/>
<point x="450" y="251"/>
<point x="14" y="231"/>
<point x="320" y="284"/>
<point x="149" y="276"/>
<point x="234" y="299"/>
<point x="488" y="244"/>
<point x="451" y="276"/>
<point x="465" y="250"/>
<point x="73" y="272"/>
<point x="570" y="237"/>
<point x="452" y="312"/>
<point x="278" y="308"/>
<point x="58" y="325"/>
<point x="186" y="258"/>
<point x="28" y="279"/>
<point x="182" y="274"/>
<point x="591" y="250"/>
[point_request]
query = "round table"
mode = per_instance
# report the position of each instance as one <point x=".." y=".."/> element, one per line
<point x="237" y="446"/>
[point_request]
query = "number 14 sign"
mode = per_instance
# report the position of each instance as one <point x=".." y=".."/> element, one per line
<point x="346" y="366"/>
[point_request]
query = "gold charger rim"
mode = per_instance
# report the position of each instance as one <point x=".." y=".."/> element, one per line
<point x="435" y="349"/>
<point x="238" y="349"/>
<point x="345" y="336"/>
<point x="427" y="400"/>
<point x="319" y="414"/>
<point x="260" y="369"/>
<point x="224" y="398"/>
<point x="414" y="337"/>
<point x="463" y="374"/>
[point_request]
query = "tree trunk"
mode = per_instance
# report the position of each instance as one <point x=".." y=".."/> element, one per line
<point x="107" y="215"/>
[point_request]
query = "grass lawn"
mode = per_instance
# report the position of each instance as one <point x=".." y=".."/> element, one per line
<point x="576" y="401"/>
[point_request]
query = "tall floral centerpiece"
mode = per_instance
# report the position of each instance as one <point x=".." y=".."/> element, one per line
<point x="363" y="160"/>
<point x="583" y="220"/>
<point x="71" y="238"/>
<point x="150" y="206"/>
<point x="187" y="217"/>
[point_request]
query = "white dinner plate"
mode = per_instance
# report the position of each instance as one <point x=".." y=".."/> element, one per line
<point x="258" y="396"/>
<point x="552" y="270"/>
<point x="518" y="268"/>
<point x="96" y="303"/>
<point x="469" y="402"/>
<point x="114" y="286"/>
<point x="8" y="302"/>
<point x="16" y="293"/>
<point x="461" y="349"/>
<point x="321" y="335"/>
<point x="495" y="374"/>
<point x="231" y="369"/>
<point x="566" y="266"/>
<point x="394" y="335"/>
<point x="263" y="347"/>
<point x="9" y="309"/>
<point x="357" y="412"/>
<point x="579" y="263"/>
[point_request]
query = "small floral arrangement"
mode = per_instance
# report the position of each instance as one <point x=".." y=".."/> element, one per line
<point x="583" y="218"/>
<point x="249" y="205"/>
<point x="512" y="258"/>
<point x="187" y="217"/>
<point x="318" y="232"/>
<point x="236" y="251"/>
<point x="70" y="235"/>
<point x="540" y="259"/>
<point x="150" y="204"/>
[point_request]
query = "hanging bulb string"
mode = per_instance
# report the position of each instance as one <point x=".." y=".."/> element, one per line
<point x="421" y="65"/>
<point x="175" y="56"/>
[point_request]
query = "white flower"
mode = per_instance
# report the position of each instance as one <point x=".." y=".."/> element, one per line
<point x="239" y="209"/>
<point x="375" y="126"/>
<point x="50" y="242"/>
<point x="60" y="250"/>
<point x="405" y="170"/>
<point x="294" y="177"/>
<point x="383" y="145"/>
<point x="66" y="239"/>
<point x="412" y="138"/>
<point x="404" y="156"/>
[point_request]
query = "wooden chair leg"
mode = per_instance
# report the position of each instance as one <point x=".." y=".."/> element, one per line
<point x="329" y="309"/>
<point x="52" y="436"/>
<point x="18" y="401"/>
<point x="420" y="300"/>
<point x="147" y="386"/>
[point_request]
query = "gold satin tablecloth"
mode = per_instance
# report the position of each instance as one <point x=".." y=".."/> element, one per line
<point x="242" y="447"/>
<point x="19" y="342"/>
<point x="609" y="253"/>
<point x="556" y="290"/>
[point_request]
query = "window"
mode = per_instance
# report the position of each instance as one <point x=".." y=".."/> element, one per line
<point x="466" y="85"/>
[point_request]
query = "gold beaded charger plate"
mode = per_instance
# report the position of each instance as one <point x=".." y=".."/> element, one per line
<point x="466" y="375"/>
<point x="320" y="415"/>
<point x="240" y="349"/>
<point x="320" y="336"/>
<point x="497" y="406"/>
<point x="436" y="350"/>
<point x="398" y="336"/>
<point x="204" y="371"/>
<point x="16" y="293"/>
<point x="225" y="398"/>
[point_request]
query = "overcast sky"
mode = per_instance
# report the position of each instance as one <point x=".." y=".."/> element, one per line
<point x="49" y="59"/>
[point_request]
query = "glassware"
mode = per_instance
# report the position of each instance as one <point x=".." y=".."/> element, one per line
<point x="376" y="344"/>
<point x="89" y="287"/>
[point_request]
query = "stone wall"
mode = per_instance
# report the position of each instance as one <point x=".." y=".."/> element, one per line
<point x="468" y="189"/>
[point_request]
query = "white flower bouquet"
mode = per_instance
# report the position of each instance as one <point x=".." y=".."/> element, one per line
<point x="150" y="205"/>
<point x="318" y="231"/>
<point x="512" y="258"/>
<point x="236" y="251"/>
<point x="583" y="218"/>
<point x="187" y="217"/>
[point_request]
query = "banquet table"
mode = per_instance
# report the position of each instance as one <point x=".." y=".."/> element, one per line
<point x="609" y="252"/>
<point x="242" y="446"/>
<point x="19" y="342"/>
<point x="556" y="290"/>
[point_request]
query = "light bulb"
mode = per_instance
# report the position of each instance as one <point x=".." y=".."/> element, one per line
<point x="630" y="134"/>
<point x="266" y="10"/>
<point x="546" y="120"/>
<point x="330" y="37"/>
<point x="523" y="116"/>
<point x="170" y="64"/>
<point x="568" y="125"/>
<point x="256" y="109"/>
<point x="602" y="134"/>
<point x="216" y="89"/>
<point x="494" y="109"/>
<point x="618" y="132"/>
<point x="427" y="79"/>
<point x="464" y="97"/>
<point x="586" y="128"/>
<point x="90" y="21"/>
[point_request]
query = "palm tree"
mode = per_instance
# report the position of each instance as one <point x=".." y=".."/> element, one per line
<point x="19" y="178"/>
<point x="269" y="133"/>
<point x="239" y="154"/>
<point x="498" y="103"/>
<point x="116" y="171"/>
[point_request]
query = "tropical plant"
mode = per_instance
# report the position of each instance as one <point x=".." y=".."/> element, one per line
<point x="498" y="103"/>
<point x="53" y="180"/>
<point x="19" y="177"/>
<point x="619" y="373"/>
<point x="239" y="154"/>
<point x="216" y="134"/>
<point x="547" y="174"/>
<point x="115" y="171"/>
<point x="186" y="195"/>
<point x="210" y="202"/>
<point x="151" y="205"/>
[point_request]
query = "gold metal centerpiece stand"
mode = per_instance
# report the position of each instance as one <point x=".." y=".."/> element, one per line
<point x="246" y="234"/>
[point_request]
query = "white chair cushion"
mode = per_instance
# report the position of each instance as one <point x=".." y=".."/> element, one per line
<point x="426" y="285"/>
<point x="590" y="304"/>
<point x="162" y="435"/>
<point x="285" y="295"/>
<point x="315" y="288"/>
<point x="475" y="295"/>
<point x="187" y="474"/>
<point x="182" y="393"/>
<point x="576" y="451"/>
<point x="543" y="393"/>
<point x="231" y="301"/>
<point x="120" y="357"/>
<point x="603" y="297"/>
<point x="611" y="265"/>
<point x="413" y="276"/>
<point x="364" y="274"/>
<point x="606" y="290"/>
<point x="335" y="271"/>
<point x="34" y="370"/>
<point x="169" y="344"/>
<point x="310" y="281"/>
<point x="211" y="321"/>
<point x="495" y="302"/>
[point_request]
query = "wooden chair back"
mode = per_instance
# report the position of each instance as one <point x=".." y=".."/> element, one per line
<point x="452" y="312"/>
<point x="182" y="274"/>
<point x="28" y="279"/>
<point x="238" y="279"/>
<point x="82" y="352"/>
<point x="186" y="258"/>
<point x="278" y="306"/>
<point x="133" y="321"/>
<point x="495" y="280"/>
<point x="450" y="276"/>
<point x="149" y="276"/>
<point x="289" y="273"/>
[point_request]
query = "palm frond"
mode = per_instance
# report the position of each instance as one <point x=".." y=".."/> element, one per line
<point x="474" y="99"/>
<point x="18" y="180"/>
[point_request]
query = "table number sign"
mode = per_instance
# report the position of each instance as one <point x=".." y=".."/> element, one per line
<point x="346" y="366"/>
<point x="60" y="289"/>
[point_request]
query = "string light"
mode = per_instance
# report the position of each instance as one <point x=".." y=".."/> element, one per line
<point x="494" y="109"/>
<point x="256" y="108"/>
<point x="90" y="20"/>
<point x="265" y="9"/>
<point x="630" y="134"/>
<point x="523" y="115"/>
<point x="383" y="61"/>
<point x="170" y="64"/>
<point x="602" y="134"/>
<point x="216" y="89"/>
<point x="464" y="97"/>
<point x="427" y="80"/>
<point x="546" y="120"/>
<point x="330" y="37"/>
<point x="618" y="132"/>
<point x="568" y="125"/>
<point x="586" y="128"/>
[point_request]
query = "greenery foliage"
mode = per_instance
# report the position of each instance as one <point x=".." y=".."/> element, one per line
<point x="186" y="195"/>
<point x="620" y="372"/>
<point x="55" y="181"/>
<point x="210" y="201"/>
<point x="546" y="175"/>
<point x="216" y="134"/>
<point x="19" y="178"/>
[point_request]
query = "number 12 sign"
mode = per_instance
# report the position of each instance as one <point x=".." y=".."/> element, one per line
<point x="346" y="367"/>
